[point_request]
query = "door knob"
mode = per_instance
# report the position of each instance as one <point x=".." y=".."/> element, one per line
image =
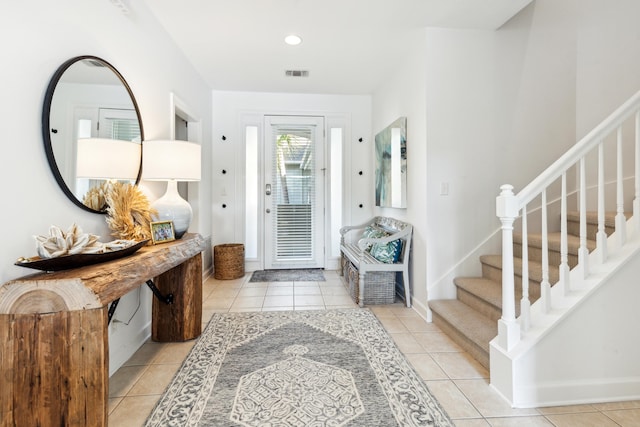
<point x="268" y="210"/>
<point x="268" y="190"/>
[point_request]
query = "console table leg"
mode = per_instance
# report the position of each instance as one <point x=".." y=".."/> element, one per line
<point x="182" y="319"/>
<point x="54" y="368"/>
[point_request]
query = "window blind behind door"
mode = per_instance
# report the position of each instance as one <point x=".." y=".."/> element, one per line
<point x="294" y="194"/>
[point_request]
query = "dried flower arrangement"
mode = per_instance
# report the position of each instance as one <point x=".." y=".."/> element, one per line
<point x="96" y="197"/>
<point x="74" y="241"/>
<point x="128" y="212"/>
<point x="71" y="242"/>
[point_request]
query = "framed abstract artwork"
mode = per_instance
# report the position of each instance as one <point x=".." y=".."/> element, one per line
<point x="391" y="165"/>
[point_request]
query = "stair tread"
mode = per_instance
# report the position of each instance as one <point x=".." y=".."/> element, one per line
<point x="554" y="240"/>
<point x="535" y="268"/>
<point x="469" y="322"/>
<point x="485" y="289"/>
<point x="592" y="217"/>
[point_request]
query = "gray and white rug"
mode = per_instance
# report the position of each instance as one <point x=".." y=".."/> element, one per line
<point x="301" y="275"/>
<point x="297" y="368"/>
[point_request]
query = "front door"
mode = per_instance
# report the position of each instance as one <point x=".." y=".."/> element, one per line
<point x="294" y="192"/>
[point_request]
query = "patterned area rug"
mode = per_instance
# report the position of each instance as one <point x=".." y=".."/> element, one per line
<point x="308" y="275"/>
<point x="297" y="368"/>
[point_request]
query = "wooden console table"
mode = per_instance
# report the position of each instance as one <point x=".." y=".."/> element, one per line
<point x="54" y="347"/>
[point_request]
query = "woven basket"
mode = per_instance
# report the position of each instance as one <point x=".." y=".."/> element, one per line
<point x="344" y="267"/>
<point x="379" y="287"/>
<point x="352" y="278"/>
<point x="228" y="261"/>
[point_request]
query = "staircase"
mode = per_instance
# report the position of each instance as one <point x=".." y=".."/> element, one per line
<point x="471" y="320"/>
<point x="554" y="317"/>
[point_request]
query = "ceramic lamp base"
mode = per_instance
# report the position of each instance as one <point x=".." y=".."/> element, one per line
<point x="172" y="207"/>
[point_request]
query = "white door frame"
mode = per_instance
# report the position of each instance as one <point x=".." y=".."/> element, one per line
<point x="178" y="108"/>
<point x="271" y="210"/>
<point x="256" y="119"/>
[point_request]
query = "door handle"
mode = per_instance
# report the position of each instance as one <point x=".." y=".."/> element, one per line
<point x="268" y="190"/>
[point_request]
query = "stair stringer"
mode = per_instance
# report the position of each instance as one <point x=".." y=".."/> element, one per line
<point x="587" y="348"/>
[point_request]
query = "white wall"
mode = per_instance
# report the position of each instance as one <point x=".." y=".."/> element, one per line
<point x="404" y="94"/>
<point x="39" y="35"/>
<point x="501" y="107"/>
<point x="608" y="59"/>
<point x="228" y="110"/>
<point x="480" y="106"/>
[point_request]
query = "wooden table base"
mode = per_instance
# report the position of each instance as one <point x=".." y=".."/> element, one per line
<point x="60" y="373"/>
<point x="54" y="347"/>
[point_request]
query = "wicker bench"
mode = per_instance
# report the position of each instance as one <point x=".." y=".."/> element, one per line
<point x="372" y="280"/>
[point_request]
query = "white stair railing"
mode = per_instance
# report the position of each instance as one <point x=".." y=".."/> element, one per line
<point x="510" y="207"/>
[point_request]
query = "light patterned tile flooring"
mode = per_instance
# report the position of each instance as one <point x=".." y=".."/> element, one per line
<point x="459" y="383"/>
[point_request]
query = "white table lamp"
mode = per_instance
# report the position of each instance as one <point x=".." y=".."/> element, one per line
<point x="172" y="161"/>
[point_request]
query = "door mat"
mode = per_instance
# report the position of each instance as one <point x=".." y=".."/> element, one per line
<point x="298" y="275"/>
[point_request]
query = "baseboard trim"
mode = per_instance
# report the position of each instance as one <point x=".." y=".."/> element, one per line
<point x="120" y="356"/>
<point x="581" y="392"/>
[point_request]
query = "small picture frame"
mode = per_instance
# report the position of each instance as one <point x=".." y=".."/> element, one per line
<point x="162" y="232"/>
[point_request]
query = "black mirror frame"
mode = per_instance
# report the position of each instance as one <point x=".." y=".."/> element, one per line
<point x="46" y="111"/>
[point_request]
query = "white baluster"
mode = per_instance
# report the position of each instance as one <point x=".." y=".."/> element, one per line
<point x="601" y="236"/>
<point x="545" y="286"/>
<point x="507" y="211"/>
<point x="525" y="302"/>
<point x="564" y="252"/>
<point x="583" y="250"/>
<point x="620" y="218"/>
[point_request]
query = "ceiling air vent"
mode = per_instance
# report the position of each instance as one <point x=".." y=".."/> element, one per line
<point x="297" y="73"/>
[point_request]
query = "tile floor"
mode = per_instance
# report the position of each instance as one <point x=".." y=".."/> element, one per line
<point x="458" y="382"/>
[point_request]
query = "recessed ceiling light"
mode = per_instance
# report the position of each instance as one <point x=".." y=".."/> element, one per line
<point x="292" y="40"/>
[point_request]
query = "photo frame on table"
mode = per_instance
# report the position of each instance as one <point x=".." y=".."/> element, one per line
<point x="162" y="232"/>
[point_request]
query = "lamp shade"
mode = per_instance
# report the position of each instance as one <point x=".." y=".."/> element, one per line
<point x="171" y="160"/>
<point x="100" y="158"/>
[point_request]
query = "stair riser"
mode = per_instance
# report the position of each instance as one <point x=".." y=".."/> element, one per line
<point x="478" y="353"/>
<point x="478" y="304"/>
<point x="573" y="227"/>
<point x="535" y="254"/>
<point x="495" y="274"/>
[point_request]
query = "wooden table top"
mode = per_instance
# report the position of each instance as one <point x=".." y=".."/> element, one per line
<point x="96" y="285"/>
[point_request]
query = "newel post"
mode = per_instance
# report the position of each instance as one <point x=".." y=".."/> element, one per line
<point x="507" y="211"/>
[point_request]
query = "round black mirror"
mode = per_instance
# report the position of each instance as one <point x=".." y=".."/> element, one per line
<point x="92" y="130"/>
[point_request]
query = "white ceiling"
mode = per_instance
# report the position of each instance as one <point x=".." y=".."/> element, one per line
<point x="349" y="46"/>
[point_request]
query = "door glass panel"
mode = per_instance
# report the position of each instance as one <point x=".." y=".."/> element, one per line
<point x="251" y="192"/>
<point x="293" y="193"/>
<point x="335" y="166"/>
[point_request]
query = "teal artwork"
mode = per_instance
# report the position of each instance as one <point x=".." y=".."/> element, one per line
<point x="391" y="165"/>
